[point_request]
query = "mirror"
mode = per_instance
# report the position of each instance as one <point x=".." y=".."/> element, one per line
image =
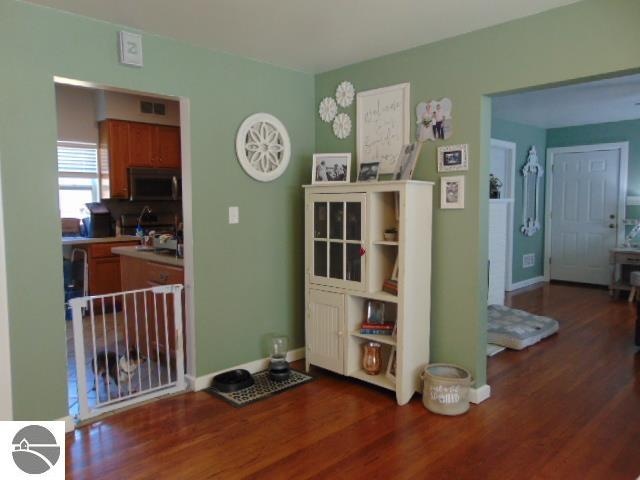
<point x="532" y="173"/>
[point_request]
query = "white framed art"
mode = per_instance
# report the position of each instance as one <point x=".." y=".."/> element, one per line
<point x="453" y="158"/>
<point x="452" y="192"/>
<point x="383" y="125"/>
<point x="331" y="168"/>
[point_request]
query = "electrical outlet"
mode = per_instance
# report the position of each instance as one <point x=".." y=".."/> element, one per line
<point x="528" y="260"/>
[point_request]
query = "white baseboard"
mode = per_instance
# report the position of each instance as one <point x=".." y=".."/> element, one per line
<point x="478" y="395"/>
<point x="69" y="423"/>
<point x="525" y="283"/>
<point x="200" y="383"/>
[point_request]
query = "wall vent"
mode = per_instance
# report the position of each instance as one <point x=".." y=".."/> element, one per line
<point x="146" y="107"/>
<point x="159" y="108"/>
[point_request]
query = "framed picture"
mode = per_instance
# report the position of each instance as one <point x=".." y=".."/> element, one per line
<point x="407" y="161"/>
<point x="368" y="172"/>
<point x="452" y="192"/>
<point x="383" y="125"/>
<point x="375" y="312"/>
<point x="391" y="365"/>
<point x="331" y="168"/>
<point x="452" y="158"/>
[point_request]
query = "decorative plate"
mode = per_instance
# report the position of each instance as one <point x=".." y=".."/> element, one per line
<point x="342" y="125"/>
<point x="345" y="93"/>
<point x="263" y="147"/>
<point x="328" y="109"/>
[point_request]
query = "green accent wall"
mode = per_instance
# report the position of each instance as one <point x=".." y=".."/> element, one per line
<point x="584" y="40"/>
<point x="248" y="277"/>
<point x="524" y="136"/>
<point x="612" y="132"/>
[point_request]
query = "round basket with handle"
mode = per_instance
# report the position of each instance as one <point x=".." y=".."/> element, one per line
<point x="446" y="388"/>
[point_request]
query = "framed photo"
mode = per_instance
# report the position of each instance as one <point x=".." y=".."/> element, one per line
<point x="375" y="312"/>
<point x="383" y="125"/>
<point x="452" y="192"/>
<point x="391" y="365"/>
<point x="407" y="161"/>
<point x="331" y="168"/>
<point x="368" y="172"/>
<point x="453" y="158"/>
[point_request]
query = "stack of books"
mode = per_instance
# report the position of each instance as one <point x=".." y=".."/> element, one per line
<point x="385" y="328"/>
<point x="390" y="286"/>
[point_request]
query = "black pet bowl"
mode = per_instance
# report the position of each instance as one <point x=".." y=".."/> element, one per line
<point x="232" y="381"/>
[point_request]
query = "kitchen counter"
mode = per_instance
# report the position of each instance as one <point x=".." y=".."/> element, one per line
<point x="150" y="256"/>
<point x="89" y="240"/>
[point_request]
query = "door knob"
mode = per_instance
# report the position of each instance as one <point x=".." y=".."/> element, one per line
<point x="611" y="225"/>
<point x="612" y="216"/>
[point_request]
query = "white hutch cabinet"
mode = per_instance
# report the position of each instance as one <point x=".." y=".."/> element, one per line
<point x="347" y="260"/>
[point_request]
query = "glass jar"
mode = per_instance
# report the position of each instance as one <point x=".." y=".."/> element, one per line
<point x="371" y="359"/>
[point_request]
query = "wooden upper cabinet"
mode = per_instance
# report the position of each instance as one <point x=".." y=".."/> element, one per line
<point x="113" y="155"/>
<point x="141" y="150"/>
<point x="126" y="144"/>
<point x="167" y="144"/>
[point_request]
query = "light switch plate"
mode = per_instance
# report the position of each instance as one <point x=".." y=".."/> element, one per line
<point x="131" y="49"/>
<point x="234" y="215"/>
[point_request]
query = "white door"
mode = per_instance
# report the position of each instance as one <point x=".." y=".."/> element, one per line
<point x="325" y="330"/>
<point x="584" y="214"/>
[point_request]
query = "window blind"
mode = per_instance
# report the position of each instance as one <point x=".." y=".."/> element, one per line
<point x="77" y="158"/>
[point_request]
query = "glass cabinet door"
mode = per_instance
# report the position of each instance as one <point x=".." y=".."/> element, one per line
<point x="337" y="242"/>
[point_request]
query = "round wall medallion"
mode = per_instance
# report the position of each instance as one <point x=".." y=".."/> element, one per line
<point x="342" y="125"/>
<point x="263" y="147"/>
<point x="328" y="109"/>
<point x="345" y="93"/>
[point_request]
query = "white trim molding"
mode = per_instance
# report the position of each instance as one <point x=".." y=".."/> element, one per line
<point x="6" y="400"/>
<point x="69" y="423"/>
<point x="200" y="383"/>
<point x="633" y="200"/>
<point x="480" y="394"/>
<point x="526" y="283"/>
<point x="623" y="147"/>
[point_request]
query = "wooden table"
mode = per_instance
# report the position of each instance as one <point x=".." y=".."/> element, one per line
<point x="623" y="261"/>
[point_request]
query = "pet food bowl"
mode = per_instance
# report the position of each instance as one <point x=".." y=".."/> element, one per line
<point x="232" y="381"/>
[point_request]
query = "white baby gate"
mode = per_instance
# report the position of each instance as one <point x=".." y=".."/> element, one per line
<point x="142" y="331"/>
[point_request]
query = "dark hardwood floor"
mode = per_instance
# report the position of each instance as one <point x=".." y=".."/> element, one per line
<point x="567" y="408"/>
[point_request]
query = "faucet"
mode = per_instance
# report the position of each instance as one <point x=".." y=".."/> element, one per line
<point x="139" y="231"/>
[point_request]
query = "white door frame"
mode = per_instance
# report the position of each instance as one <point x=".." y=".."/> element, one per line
<point x="623" y="148"/>
<point x="187" y="211"/>
<point x="6" y="400"/>
<point x="511" y="148"/>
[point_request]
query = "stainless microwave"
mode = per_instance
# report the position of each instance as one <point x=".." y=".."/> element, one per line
<point x="154" y="184"/>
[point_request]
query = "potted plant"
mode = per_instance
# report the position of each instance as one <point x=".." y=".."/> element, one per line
<point x="391" y="234"/>
<point x="495" y="184"/>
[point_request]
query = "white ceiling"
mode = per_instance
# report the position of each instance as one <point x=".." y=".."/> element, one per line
<point x="610" y="100"/>
<point x="307" y="35"/>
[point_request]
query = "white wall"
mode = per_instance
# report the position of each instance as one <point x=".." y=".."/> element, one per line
<point x="76" y="114"/>
<point x="124" y="106"/>
<point x="6" y="408"/>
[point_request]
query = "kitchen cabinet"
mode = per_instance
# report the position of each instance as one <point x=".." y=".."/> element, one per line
<point x="125" y="144"/>
<point x="137" y="273"/>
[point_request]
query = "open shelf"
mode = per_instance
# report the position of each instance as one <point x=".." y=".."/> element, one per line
<point x="382" y="296"/>
<point x="386" y="339"/>
<point x="386" y="242"/>
<point x="380" y="380"/>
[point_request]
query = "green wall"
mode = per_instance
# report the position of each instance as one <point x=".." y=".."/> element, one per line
<point x="248" y="277"/>
<point x="583" y="40"/>
<point x="524" y="136"/>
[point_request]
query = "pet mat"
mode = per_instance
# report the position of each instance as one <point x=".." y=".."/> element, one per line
<point x="263" y="388"/>
<point x="517" y="329"/>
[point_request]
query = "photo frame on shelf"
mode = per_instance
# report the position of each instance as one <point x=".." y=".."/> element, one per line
<point x="391" y="365"/>
<point x="394" y="273"/>
<point x="368" y="172"/>
<point x="453" y="158"/>
<point x="383" y="125"/>
<point x="452" y="192"/>
<point x="407" y="160"/>
<point x="375" y="312"/>
<point x="331" y="168"/>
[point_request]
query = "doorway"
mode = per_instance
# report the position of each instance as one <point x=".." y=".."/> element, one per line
<point x="151" y="133"/>
<point x="585" y="208"/>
